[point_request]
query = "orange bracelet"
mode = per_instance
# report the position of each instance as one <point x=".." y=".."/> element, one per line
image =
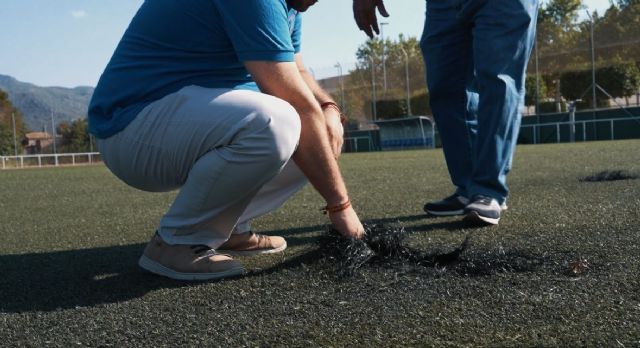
<point x="335" y="106"/>
<point x="336" y="208"/>
<point x="330" y="104"/>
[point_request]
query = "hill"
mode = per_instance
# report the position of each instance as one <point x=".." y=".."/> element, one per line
<point x="36" y="103"/>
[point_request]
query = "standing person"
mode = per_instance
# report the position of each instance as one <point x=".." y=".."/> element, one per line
<point x="212" y="97"/>
<point x="476" y="54"/>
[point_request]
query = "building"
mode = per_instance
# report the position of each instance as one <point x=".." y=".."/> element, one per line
<point x="37" y="142"/>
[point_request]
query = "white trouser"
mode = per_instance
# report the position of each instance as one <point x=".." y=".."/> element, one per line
<point x="229" y="152"/>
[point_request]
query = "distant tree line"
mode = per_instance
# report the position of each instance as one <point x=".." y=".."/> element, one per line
<point x="564" y="54"/>
<point x="74" y="136"/>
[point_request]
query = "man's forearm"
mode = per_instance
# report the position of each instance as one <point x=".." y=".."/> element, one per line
<point x="316" y="159"/>
<point x="314" y="155"/>
<point x="318" y="92"/>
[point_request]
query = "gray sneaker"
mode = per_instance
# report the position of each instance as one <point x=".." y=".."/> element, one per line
<point x="483" y="210"/>
<point x="452" y="205"/>
<point x="187" y="262"/>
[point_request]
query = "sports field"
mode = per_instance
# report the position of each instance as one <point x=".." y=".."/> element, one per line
<point x="561" y="269"/>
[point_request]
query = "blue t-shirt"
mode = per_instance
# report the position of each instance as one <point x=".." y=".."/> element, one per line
<point x="171" y="44"/>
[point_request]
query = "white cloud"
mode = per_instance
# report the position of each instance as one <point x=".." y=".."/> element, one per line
<point x="79" y="14"/>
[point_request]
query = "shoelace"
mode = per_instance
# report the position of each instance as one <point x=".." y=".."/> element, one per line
<point x="482" y="199"/>
<point x="203" y="250"/>
<point x="198" y="249"/>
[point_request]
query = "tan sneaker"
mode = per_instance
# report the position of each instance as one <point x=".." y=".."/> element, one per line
<point x="247" y="244"/>
<point x="187" y="262"/>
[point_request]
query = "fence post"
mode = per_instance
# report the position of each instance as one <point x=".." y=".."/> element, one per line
<point x="558" y="132"/>
<point x="39" y="161"/>
<point x="612" y="137"/>
<point x="3" y="165"/>
<point x="73" y="159"/>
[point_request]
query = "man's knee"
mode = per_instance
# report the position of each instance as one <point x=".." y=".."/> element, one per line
<point x="281" y="128"/>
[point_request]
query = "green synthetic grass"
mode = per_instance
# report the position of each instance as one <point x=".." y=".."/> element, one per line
<point x="70" y="239"/>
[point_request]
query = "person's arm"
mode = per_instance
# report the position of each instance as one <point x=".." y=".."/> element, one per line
<point x="314" y="155"/>
<point x="332" y="115"/>
<point x="364" y="12"/>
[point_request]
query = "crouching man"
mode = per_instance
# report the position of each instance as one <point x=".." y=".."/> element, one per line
<point x="211" y="97"/>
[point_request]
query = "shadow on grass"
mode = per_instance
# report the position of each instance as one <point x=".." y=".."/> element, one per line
<point x="75" y="278"/>
<point x="90" y="277"/>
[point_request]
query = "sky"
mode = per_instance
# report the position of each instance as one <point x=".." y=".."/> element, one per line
<point x="67" y="43"/>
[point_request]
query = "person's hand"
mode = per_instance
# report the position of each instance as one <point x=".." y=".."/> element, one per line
<point x="364" y="11"/>
<point x="335" y="130"/>
<point x="347" y="223"/>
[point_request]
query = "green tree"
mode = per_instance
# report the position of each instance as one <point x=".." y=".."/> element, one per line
<point x="7" y="114"/>
<point x="530" y="85"/>
<point x="75" y="136"/>
<point x="358" y="86"/>
<point x="621" y="79"/>
<point x="559" y="37"/>
<point x="617" y="33"/>
<point x="562" y="13"/>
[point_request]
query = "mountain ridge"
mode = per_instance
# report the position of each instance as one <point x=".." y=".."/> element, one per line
<point x="37" y="104"/>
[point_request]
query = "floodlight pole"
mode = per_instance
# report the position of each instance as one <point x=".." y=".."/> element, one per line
<point x="406" y="70"/>
<point x="572" y="121"/>
<point x="53" y="134"/>
<point x="384" y="55"/>
<point x="593" y="65"/>
<point x="339" y="66"/>
<point x="535" y="47"/>
<point x="374" y="114"/>
<point x="15" y="143"/>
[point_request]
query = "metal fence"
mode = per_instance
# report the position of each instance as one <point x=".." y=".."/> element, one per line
<point x="358" y="144"/>
<point x="585" y="130"/>
<point x="49" y="160"/>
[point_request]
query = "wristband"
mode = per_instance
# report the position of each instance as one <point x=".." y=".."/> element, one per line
<point x="335" y="106"/>
<point x="336" y="208"/>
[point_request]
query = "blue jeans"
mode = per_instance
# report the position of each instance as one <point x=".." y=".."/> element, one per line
<point x="476" y="54"/>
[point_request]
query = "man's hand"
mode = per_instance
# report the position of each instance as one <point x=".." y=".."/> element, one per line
<point x="364" y="11"/>
<point x="335" y="130"/>
<point x="347" y="223"/>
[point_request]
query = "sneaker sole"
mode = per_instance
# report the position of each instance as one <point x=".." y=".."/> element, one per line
<point x="475" y="218"/>
<point x="445" y="213"/>
<point x="252" y="252"/>
<point x="156" y="268"/>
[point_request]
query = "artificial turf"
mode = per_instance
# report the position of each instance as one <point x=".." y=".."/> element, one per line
<point x="561" y="269"/>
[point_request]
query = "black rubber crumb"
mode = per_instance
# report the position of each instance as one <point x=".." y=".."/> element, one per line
<point x="382" y="245"/>
<point x="385" y="247"/>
